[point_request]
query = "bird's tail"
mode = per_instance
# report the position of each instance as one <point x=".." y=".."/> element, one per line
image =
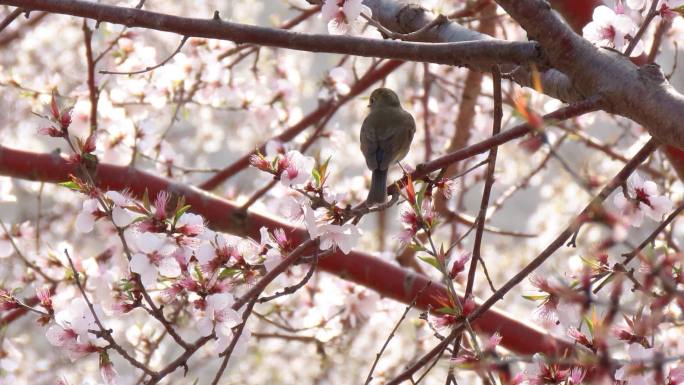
<point x="377" y="194"/>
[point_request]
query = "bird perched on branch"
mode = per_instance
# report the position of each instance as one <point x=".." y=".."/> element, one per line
<point x="386" y="136"/>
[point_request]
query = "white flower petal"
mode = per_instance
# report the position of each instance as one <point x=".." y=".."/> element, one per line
<point x="116" y="197"/>
<point x="85" y="222"/>
<point x="122" y="217"/>
<point x="150" y="242"/>
<point x="168" y="267"/>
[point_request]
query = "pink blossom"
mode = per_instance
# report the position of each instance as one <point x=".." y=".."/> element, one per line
<point x="609" y="28"/>
<point x="85" y="221"/>
<point x="51" y="131"/>
<point x="676" y="375"/>
<point x="442" y="321"/>
<point x="160" y="205"/>
<point x="296" y="168"/>
<point x="220" y="317"/>
<point x="45" y="297"/>
<point x="577" y="376"/>
<point x="107" y="370"/>
<point x="493" y="341"/>
<point x="71" y="331"/>
<point x="154" y="257"/>
<point x="337" y="83"/>
<point x="458" y="264"/>
<point x="121" y="216"/>
<point x="344" y="237"/>
<point x="148" y="266"/>
<point x="643" y="199"/>
<point x="343" y="16"/>
<point x="190" y="224"/>
<point x="636" y="372"/>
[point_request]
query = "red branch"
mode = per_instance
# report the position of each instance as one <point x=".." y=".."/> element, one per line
<point x="387" y="279"/>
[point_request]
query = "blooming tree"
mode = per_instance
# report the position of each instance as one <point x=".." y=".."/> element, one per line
<point x="182" y="193"/>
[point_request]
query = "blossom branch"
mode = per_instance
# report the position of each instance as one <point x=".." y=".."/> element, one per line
<point x="487" y="189"/>
<point x="383" y="277"/>
<point x="571" y="229"/>
<point x="369" y="378"/>
<point x="652" y="13"/>
<point x="93" y="90"/>
<point x="567" y="112"/>
<point x="236" y="336"/>
<point x="104" y="332"/>
<point x="651" y="102"/>
<point x="154" y="67"/>
<point x="10" y="18"/>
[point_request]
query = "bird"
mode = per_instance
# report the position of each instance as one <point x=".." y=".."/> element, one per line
<point x="385" y="138"/>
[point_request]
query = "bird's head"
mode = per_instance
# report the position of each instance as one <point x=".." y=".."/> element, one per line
<point x="383" y="97"/>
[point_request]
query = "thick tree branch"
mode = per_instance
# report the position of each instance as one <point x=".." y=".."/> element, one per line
<point x="387" y="279"/>
<point x="488" y="51"/>
<point x="639" y="93"/>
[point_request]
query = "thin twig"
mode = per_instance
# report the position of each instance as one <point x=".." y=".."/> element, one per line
<point x="236" y="336"/>
<point x="652" y="13"/>
<point x="10" y="18"/>
<point x="154" y="67"/>
<point x="486" y="191"/>
<point x="571" y="229"/>
<point x="104" y="332"/>
<point x="394" y="330"/>
<point x="632" y="254"/>
<point x="93" y="90"/>
<point x="292" y="289"/>
<point x="21" y="255"/>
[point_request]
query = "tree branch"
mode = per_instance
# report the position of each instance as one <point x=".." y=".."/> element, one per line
<point x="387" y="279"/>
<point x="489" y="51"/>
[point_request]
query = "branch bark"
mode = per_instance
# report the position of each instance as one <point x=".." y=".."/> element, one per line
<point x="387" y="279"/>
<point x="642" y="94"/>
<point x="489" y="51"/>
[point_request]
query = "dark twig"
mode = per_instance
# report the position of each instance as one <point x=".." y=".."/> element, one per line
<point x="632" y="254"/>
<point x="154" y="67"/>
<point x="486" y="192"/>
<point x="93" y="90"/>
<point x="394" y="330"/>
<point x="271" y="275"/>
<point x="571" y="229"/>
<point x="292" y="289"/>
<point x="21" y="255"/>
<point x="652" y="13"/>
<point x="236" y="337"/>
<point x="10" y="18"/>
<point x="104" y="332"/>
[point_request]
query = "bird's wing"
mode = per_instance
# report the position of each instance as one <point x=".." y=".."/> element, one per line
<point x="396" y="141"/>
<point x="369" y="144"/>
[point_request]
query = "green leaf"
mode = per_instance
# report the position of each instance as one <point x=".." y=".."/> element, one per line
<point x="317" y="177"/>
<point x="89" y="157"/>
<point x="447" y="310"/>
<point x="70" y="185"/>
<point x="421" y="195"/>
<point x="125" y="285"/>
<point x="431" y="260"/>
<point x="229" y="273"/>
<point x="535" y="297"/>
<point x="146" y="200"/>
<point x="181" y="212"/>
<point x="590" y="325"/>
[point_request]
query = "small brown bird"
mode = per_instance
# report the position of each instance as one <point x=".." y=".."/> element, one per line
<point x="386" y="136"/>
